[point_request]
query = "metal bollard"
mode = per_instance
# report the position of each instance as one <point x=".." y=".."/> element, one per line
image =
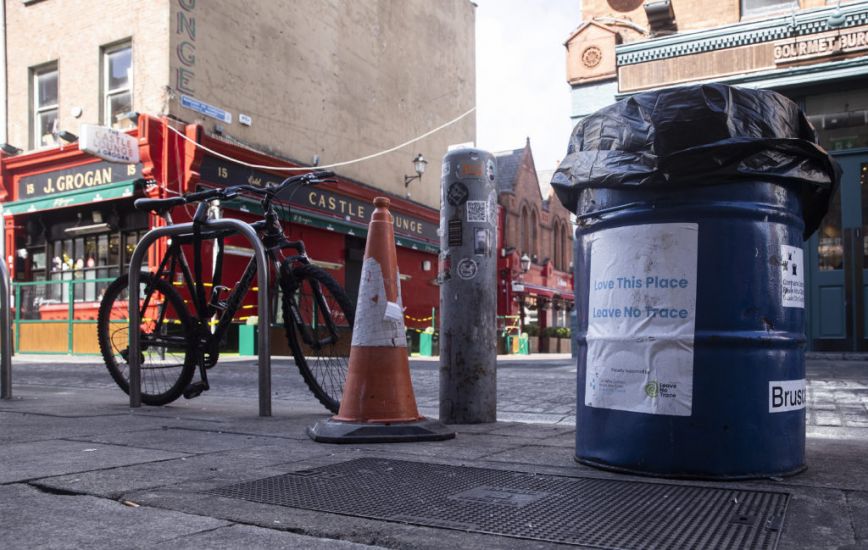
<point x="468" y="288"/>
<point x="263" y="304"/>
<point x="6" y="335"/>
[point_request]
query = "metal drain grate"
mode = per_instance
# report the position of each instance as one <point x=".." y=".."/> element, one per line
<point x="582" y="511"/>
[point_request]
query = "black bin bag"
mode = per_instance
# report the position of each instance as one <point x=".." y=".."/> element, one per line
<point x="708" y="134"/>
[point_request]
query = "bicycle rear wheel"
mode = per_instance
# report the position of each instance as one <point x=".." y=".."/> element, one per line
<point x="321" y="346"/>
<point x="166" y="349"/>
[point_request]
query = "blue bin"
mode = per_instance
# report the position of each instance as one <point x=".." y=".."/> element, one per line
<point x="690" y="296"/>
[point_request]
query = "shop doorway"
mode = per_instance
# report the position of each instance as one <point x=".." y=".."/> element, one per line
<point x="837" y="257"/>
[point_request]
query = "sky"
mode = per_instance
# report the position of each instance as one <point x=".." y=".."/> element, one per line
<point x="521" y="83"/>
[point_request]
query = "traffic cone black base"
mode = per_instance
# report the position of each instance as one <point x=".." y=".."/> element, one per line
<point x="337" y="431"/>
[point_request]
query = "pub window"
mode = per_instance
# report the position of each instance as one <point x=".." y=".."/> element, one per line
<point x="840" y="119"/>
<point x="45" y="106"/>
<point x="85" y="259"/>
<point x="758" y="7"/>
<point x="117" y="68"/>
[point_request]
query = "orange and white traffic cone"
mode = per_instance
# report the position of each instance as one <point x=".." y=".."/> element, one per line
<point x="378" y="404"/>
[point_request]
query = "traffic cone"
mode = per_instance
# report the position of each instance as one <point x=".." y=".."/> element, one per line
<point x="378" y="404"/>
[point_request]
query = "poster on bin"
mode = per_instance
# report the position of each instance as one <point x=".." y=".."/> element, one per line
<point x="642" y="318"/>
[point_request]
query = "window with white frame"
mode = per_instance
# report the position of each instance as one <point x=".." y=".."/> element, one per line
<point x="760" y="7"/>
<point x="117" y="88"/>
<point x="44" y="106"/>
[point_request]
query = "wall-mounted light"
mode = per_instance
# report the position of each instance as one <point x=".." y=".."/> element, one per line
<point x="9" y="149"/>
<point x="66" y="136"/>
<point x="525" y="263"/>
<point x="419" y="164"/>
<point x="129" y="115"/>
<point x="837" y="19"/>
<point x="87" y="229"/>
<point x="661" y="17"/>
<point x="426" y="265"/>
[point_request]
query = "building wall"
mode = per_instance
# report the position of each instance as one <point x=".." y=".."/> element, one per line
<point x="592" y="98"/>
<point x="332" y="78"/>
<point x="43" y="32"/>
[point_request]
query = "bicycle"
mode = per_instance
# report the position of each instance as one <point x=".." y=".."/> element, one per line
<point x="317" y="314"/>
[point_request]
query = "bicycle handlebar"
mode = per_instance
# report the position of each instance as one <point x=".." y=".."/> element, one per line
<point x="159" y="205"/>
<point x="311" y="178"/>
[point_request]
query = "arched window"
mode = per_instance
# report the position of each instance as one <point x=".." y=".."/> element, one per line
<point x="525" y="231"/>
<point x="566" y="249"/>
<point x="534" y="243"/>
<point x="557" y="244"/>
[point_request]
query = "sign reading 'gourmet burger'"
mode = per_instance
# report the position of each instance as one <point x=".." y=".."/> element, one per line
<point x="821" y="45"/>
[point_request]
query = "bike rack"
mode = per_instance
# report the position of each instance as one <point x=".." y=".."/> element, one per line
<point x="263" y="304"/>
<point x="5" y="335"/>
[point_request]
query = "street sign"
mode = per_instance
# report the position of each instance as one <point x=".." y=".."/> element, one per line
<point x="108" y="144"/>
<point x="208" y="110"/>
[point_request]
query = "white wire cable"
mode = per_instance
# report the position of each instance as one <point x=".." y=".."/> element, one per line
<point x="333" y="165"/>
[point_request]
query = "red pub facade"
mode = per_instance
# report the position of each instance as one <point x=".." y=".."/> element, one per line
<point x="69" y="216"/>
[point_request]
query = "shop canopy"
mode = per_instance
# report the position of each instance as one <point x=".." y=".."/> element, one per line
<point x="543" y="291"/>
<point x="100" y="193"/>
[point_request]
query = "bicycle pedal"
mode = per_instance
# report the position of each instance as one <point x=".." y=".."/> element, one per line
<point x="216" y="302"/>
<point x="219" y="305"/>
<point x="195" y="390"/>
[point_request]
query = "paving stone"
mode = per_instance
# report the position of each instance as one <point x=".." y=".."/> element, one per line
<point x="22" y="461"/>
<point x="535" y="455"/>
<point x="817" y="519"/>
<point x="857" y="501"/>
<point x="115" y="482"/>
<point x="249" y="537"/>
<point x="32" y="518"/>
<point x="828" y="419"/>
<point x="190" y="441"/>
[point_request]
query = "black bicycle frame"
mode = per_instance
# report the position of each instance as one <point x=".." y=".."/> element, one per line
<point x="175" y="258"/>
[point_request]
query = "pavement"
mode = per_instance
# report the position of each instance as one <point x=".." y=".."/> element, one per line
<point x="80" y="469"/>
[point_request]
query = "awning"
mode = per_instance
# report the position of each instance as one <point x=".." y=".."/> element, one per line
<point x="99" y="193"/>
<point x="543" y="291"/>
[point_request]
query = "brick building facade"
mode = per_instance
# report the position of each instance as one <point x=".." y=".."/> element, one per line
<point x="536" y="227"/>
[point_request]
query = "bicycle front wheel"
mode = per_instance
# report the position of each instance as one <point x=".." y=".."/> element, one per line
<point x="165" y="347"/>
<point x="318" y="318"/>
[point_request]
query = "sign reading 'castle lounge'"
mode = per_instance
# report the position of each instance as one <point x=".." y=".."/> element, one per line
<point x="77" y="178"/>
<point x="821" y="45"/>
<point x="316" y="198"/>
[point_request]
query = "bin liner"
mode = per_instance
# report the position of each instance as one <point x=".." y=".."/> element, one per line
<point x="709" y="134"/>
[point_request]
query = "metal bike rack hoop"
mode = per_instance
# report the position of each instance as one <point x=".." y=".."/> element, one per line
<point x="5" y="335"/>
<point x="263" y="304"/>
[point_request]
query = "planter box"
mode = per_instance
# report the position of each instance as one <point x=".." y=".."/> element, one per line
<point x="565" y="345"/>
<point x="533" y="343"/>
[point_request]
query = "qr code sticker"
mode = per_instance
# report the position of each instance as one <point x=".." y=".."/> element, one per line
<point x="477" y="211"/>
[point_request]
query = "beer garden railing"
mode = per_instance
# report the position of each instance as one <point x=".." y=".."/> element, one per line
<point x="57" y="316"/>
